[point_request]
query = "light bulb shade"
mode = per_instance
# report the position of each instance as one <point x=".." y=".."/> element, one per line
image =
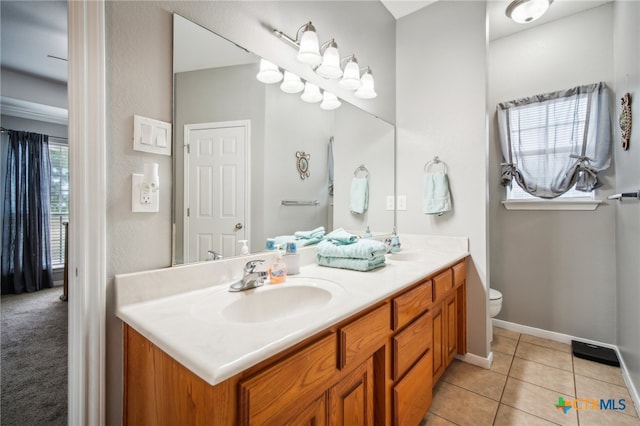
<point x="311" y="93"/>
<point x="351" y="77"/>
<point x="330" y="66"/>
<point x="269" y="72"/>
<point x="525" y="11"/>
<point x="309" y="51"/>
<point x="291" y="83"/>
<point x="330" y="101"/>
<point x="151" y="178"/>
<point x="367" y="90"/>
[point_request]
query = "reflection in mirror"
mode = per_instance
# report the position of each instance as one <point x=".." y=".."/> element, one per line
<point x="236" y="154"/>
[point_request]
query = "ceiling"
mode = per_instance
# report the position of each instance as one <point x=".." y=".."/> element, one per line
<point x="34" y="33"/>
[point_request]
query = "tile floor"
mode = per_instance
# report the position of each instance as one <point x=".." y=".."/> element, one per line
<point x="524" y="383"/>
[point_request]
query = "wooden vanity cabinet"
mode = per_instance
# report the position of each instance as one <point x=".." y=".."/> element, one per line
<point x="375" y="368"/>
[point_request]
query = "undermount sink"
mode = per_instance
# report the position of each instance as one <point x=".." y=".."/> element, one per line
<point x="407" y="256"/>
<point x="296" y="296"/>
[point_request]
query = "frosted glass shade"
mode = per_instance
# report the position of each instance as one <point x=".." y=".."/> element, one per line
<point x="311" y="93"/>
<point x="329" y="101"/>
<point x="525" y="11"/>
<point x="269" y="72"/>
<point x="330" y="66"/>
<point x="367" y="90"/>
<point x="309" y="51"/>
<point x="291" y="83"/>
<point x="351" y="77"/>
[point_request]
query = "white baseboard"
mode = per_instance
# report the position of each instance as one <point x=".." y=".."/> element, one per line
<point x="479" y="361"/>
<point x="565" y="338"/>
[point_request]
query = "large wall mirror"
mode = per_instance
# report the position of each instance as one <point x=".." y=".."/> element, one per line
<point x="237" y="154"/>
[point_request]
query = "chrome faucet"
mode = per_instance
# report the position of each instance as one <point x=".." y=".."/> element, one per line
<point x="214" y="255"/>
<point x="251" y="278"/>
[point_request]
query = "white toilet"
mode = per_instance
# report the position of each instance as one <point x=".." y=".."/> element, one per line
<point x="495" y="302"/>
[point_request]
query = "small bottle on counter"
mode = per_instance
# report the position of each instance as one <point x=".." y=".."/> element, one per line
<point x="367" y="233"/>
<point x="278" y="271"/>
<point x="292" y="258"/>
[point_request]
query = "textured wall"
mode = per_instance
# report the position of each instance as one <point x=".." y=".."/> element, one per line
<point x="556" y="269"/>
<point x="627" y="80"/>
<point x="441" y="110"/>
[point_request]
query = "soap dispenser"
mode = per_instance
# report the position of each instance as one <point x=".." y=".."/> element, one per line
<point x="367" y="232"/>
<point x="278" y="271"/>
<point x="244" y="250"/>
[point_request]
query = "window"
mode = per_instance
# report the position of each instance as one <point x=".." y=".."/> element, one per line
<point x="59" y="154"/>
<point x="555" y="144"/>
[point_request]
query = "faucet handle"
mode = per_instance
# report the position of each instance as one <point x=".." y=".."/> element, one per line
<point x="251" y="265"/>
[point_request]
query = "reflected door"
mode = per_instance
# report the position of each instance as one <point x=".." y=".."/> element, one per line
<point x="215" y="187"/>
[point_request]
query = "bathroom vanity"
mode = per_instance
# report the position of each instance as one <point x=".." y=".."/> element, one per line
<point x="369" y="355"/>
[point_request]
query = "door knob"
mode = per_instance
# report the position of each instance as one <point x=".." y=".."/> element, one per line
<point x="238" y="225"/>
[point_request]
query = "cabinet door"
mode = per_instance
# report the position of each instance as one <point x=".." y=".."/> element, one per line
<point x="412" y="395"/>
<point x="451" y="327"/>
<point x="314" y="415"/>
<point x="351" y="400"/>
<point x="439" y="341"/>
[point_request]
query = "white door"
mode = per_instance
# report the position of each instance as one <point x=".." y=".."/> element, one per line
<point x="216" y="188"/>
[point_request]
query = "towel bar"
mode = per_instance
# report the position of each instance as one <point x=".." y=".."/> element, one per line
<point x="300" y="202"/>
<point x="622" y="195"/>
<point x="361" y="168"/>
<point x="436" y="160"/>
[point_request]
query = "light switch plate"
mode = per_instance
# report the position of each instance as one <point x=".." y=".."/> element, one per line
<point x="151" y="135"/>
<point x="402" y="202"/>
<point x="390" y="202"/>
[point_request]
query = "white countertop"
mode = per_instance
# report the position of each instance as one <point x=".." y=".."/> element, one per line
<point x="178" y="309"/>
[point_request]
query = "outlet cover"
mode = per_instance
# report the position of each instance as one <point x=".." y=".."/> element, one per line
<point x="402" y="202"/>
<point x="137" y="206"/>
<point x="390" y="203"/>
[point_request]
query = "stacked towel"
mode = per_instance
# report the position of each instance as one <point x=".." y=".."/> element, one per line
<point x="359" y="195"/>
<point x="302" y="238"/>
<point x="340" y="236"/>
<point x="363" y="255"/>
<point x="437" y="198"/>
<point x="314" y="233"/>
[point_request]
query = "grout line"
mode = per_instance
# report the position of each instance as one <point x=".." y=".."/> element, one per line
<point x="495" y="416"/>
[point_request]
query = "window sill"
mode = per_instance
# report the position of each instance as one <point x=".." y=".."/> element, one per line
<point x="584" y="205"/>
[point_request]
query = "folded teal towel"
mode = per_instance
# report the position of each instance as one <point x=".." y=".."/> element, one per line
<point x="319" y="231"/>
<point x="308" y="241"/>
<point x="359" y="195"/>
<point x="363" y="249"/>
<point x="354" y="264"/>
<point x="437" y="198"/>
<point x="340" y="236"/>
<point x="282" y="240"/>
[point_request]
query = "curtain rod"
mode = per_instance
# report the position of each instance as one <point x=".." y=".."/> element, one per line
<point x="4" y="130"/>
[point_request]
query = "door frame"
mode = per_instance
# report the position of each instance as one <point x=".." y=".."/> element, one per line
<point x="246" y="124"/>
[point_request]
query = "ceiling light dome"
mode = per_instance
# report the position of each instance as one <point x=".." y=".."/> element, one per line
<point x="309" y="50"/>
<point x="330" y="66"/>
<point x="311" y="93"/>
<point x="329" y="101"/>
<point x="525" y="11"/>
<point x="367" y="90"/>
<point x="351" y="77"/>
<point x="291" y="83"/>
<point x="269" y="72"/>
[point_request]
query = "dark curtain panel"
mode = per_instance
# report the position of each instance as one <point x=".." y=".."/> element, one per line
<point x="26" y="256"/>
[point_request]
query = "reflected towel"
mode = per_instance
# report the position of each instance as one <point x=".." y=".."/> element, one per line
<point x="308" y="241"/>
<point x="363" y="249"/>
<point x="359" y="195"/>
<point x="340" y="236"/>
<point x="314" y="233"/>
<point x="362" y="265"/>
<point x="437" y="198"/>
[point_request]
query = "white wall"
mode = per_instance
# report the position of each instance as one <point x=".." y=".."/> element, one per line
<point x="627" y="80"/>
<point x="556" y="269"/>
<point x="441" y="110"/>
<point x="139" y="81"/>
<point x="27" y="87"/>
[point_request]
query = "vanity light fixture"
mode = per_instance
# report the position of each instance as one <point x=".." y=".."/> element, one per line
<point x="291" y="83"/>
<point x="329" y="101"/>
<point x="311" y="93"/>
<point x="525" y="11"/>
<point x="367" y="90"/>
<point x="351" y="76"/>
<point x="330" y="66"/>
<point x="269" y="72"/>
<point x="306" y="42"/>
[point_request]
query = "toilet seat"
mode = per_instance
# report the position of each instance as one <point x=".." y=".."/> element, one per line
<point x="494" y="294"/>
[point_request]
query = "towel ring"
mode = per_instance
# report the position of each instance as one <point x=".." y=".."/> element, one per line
<point x="361" y="168"/>
<point x="436" y="160"/>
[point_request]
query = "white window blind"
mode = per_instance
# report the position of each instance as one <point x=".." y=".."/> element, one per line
<point x="59" y="154"/>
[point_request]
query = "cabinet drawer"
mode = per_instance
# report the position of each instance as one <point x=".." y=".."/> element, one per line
<point x="408" y="305"/>
<point x="360" y="339"/>
<point x="442" y="283"/>
<point x="459" y="273"/>
<point x="410" y="344"/>
<point x="412" y="396"/>
<point x="293" y="383"/>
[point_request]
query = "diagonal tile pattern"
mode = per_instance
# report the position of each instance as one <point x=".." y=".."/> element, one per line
<point x="528" y="376"/>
